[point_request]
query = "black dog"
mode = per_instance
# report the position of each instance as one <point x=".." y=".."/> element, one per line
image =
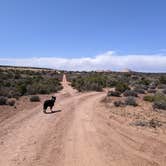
<point x="49" y="103"/>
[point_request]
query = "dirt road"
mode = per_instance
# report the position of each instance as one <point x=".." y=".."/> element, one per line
<point x="78" y="133"/>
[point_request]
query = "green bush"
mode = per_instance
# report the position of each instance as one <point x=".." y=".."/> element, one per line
<point x="149" y="98"/>
<point x="152" y="91"/>
<point x="113" y="93"/>
<point x="91" y="82"/>
<point x="3" y="100"/>
<point x="159" y="100"/>
<point x="159" y="97"/>
<point x="16" y="83"/>
<point x="121" y="87"/>
<point x="141" y="123"/>
<point x="154" y="123"/>
<point x="112" y="83"/>
<point x="22" y="89"/>
<point x="11" y="102"/>
<point x="140" y="91"/>
<point x="130" y="93"/>
<point x="164" y="91"/>
<point x="151" y="123"/>
<point x="162" y="79"/>
<point x="34" y="98"/>
<point x="130" y="101"/>
<point x="144" y="81"/>
<point x="140" y="86"/>
<point x="152" y="87"/>
<point x="162" y="86"/>
<point x="118" y="103"/>
<point x="160" y="104"/>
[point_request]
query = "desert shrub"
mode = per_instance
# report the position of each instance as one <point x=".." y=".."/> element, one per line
<point x="12" y="93"/>
<point x="96" y="87"/>
<point x="134" y="77"/>
<point x="141" y="123"/>
<point x="151" y="123"/>
<point x="149" y="98"/>
<point x="113" y="93"/>
<point x="44" y="91"/>
<point x="16" y="83"/>
<point x="91" y="82"/>
<point x="140" y="86"/>
<point x="152" y="91"/>
<point x="11" y="102"/>
<point x="130" y="101"/>
<point x="144" y="81"/>
<point x="34" y="98"/>
<point x="112" y="83"/>
<point x="162" y="79"/>
<point x="159" y="100"/>
<point x="160" y="104"/>
<point x="3" y="100"/>
<point x="17" y="76"/>
<point x="44" y="88"/>
<point x="118" y="103"/>
<point x="41" y="88"/>
<point x="154" y="123"/>
<point x="161" y="86"/>
<point x="7" y="84"/>
<point x="152" y="87"/>
<point x="31" y="89"/>
<point x="145" y="87"/>
<point x="157" y="97"/>
<point x="21" y="88"/>
<point x="130" y="93"/>
<point x="121" y="87"/>
<point x="140" y="91"/>
<point x="164" y="91"/>
<point x="4" y="91"/>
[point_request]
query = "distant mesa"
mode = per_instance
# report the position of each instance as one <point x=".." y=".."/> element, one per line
<point x="101" y="71"/>
<point x="126" y="70"/>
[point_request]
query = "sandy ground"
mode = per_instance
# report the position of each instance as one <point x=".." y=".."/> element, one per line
<point x="21" y="105"/>
<point x="81" y="132"/>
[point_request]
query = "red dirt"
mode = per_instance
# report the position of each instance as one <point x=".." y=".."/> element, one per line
<point x="82" y="132"/>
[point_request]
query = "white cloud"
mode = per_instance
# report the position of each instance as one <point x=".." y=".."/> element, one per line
<point x="106" y="61"/>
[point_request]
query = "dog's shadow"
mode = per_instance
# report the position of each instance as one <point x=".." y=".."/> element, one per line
<point x="52" y="112"/>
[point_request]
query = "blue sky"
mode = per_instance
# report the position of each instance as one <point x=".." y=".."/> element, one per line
<point x="74" y="29"/>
